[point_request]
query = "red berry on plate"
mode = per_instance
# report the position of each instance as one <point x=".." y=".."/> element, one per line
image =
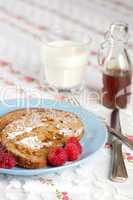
<point x="7" y="160"/>
<point x="74" y="140"/>
<point x="72" y="151"/>
<point x="57" y="156"/>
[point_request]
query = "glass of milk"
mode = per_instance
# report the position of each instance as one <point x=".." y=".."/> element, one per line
<point x="64" y="60"/>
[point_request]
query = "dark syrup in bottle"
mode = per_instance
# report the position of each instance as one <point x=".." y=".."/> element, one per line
<point x="116" y="88"/>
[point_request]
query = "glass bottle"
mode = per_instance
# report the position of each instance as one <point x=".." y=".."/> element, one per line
<point x="117" y="70"/>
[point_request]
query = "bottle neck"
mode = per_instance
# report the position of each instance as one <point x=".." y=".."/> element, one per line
<point x="116" y="48"/>
<point x="117" y="59"/>
<point x="117" y="43"/>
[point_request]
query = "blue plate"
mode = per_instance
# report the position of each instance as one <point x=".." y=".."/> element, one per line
<point x="94" y="137"/>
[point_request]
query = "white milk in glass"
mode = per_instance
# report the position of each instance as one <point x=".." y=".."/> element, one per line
<point x="65" y="63"/>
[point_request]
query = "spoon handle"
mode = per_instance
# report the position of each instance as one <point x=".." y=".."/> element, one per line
<point x="119" y="172"/>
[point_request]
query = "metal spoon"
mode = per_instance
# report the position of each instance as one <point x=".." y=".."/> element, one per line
<point x="118" y="172"/>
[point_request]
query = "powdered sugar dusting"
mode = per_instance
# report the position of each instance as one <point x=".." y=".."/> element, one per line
<point x="66" y="131"/>
<point x="12" y="135"/>
<point x="25" y="124"/>
<point x="33" y="142"/>
<point x="70" y="132"/>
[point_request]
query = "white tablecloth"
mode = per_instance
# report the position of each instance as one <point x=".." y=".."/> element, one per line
<point x="22" y="23"/>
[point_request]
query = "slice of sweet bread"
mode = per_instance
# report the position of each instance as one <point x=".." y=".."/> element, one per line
<point x="29" y="133"/>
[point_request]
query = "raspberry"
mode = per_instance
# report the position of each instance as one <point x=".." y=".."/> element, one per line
<point x="72" y="151"/>
<point x="7" y="160"/>
<point x="57" y="156"/>
<point x="74" y="140"/>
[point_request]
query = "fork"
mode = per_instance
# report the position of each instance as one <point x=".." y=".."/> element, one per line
<point x="118" y="173"/>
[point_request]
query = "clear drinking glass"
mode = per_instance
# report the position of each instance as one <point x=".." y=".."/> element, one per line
<point x="64" y="60"/>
